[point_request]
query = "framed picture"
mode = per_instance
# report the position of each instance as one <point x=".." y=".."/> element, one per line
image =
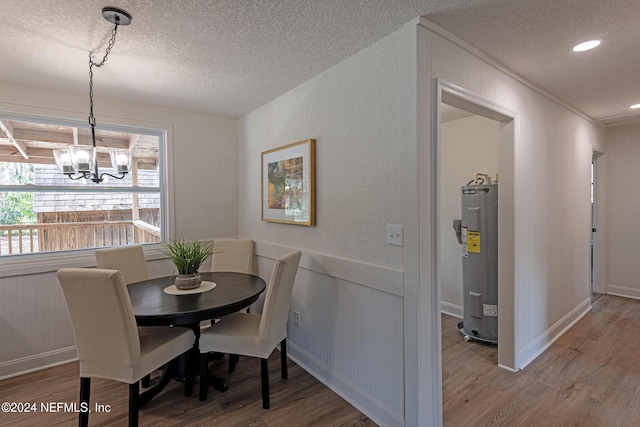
<point x="288" y="184"/>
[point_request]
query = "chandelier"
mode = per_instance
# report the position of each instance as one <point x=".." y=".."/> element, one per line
<point x="80" y="161"/>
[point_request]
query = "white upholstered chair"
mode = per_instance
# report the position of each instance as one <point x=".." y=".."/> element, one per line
<point x="132" y="264"/>
<point x="256" y="335"/>
<point x="234" y="255"/>
<point x="128" y="259"/>
<point x="106" y="335"/>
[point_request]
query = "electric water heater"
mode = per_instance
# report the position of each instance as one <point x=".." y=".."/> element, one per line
<point x="477" y="234"/>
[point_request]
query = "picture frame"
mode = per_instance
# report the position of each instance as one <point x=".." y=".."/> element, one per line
<point x="288" y="184"/>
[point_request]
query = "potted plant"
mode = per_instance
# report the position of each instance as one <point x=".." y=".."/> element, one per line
<point x="188" y="256"/>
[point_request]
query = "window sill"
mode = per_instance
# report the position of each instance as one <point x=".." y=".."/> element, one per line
<point x="27" y="264"/>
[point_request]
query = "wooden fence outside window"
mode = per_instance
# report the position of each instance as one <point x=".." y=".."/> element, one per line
<point x="48" y="237"/>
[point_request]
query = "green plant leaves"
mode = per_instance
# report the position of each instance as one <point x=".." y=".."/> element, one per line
<point x="188" y="255"/>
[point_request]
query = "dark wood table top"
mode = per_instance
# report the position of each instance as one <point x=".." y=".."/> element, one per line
<point x="153" y="307"/>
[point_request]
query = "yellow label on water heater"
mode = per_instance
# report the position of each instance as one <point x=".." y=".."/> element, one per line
<point x="473" y="242"/>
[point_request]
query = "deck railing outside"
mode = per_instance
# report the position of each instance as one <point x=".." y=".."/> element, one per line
<point x="46" y="237"/>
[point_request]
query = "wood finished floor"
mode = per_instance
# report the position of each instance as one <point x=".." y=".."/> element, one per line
<point x="301" y="400"/>
<point x="589" y="377"/>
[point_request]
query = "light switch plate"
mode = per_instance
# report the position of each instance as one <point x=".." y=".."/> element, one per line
<point x="394" y="235"/>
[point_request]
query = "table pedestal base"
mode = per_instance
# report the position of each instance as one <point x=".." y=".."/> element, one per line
<point x="167" y="373"/>
<point x="208" y="379"/>
<point x="219" y="384"/>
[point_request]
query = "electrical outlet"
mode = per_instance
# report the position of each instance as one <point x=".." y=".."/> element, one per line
<point x="394" y="235"/>
<point x="296" y="319"/>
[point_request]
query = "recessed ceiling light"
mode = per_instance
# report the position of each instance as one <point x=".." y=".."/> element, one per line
<point x="635" y="106"/>
<point x="581" y="47"/>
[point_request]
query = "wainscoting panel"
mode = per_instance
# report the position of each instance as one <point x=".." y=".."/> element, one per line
<point x="35" y="330"/>
<point x="350" y="334"/>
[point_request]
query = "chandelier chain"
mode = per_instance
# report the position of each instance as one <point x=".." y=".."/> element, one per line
<point x="81" y="162"/>
<point x="112" y="41"/>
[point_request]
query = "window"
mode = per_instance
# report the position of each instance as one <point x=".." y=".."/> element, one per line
<point x="42" y="210"/>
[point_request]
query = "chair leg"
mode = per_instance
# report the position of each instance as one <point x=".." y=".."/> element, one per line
<point x="134" y="407"/>
<point x="233" y="359"/>
<point x="85" y="391"/>
<point x="146" y="381"/>
<point x="204" y="367"/>
<point x="192" y="357"/>
<point x="283" y="359"/>
<point x="264" y="374"/>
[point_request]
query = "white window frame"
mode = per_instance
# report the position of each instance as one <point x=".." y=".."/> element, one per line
<point x="43" y="262"/>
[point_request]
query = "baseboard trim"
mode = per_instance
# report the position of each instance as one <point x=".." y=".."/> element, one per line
<point x="451" y="309"/>
<point x="37" y="362"/>
<point x="622" y="291"/>
<point x="539" y="345"/>
<point x="507" y="368"/>
<point x="361" y="400"/>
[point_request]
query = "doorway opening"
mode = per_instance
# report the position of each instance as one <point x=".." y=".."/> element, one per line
<point x="597" y="289"/>
<point x="504" y="119"/>
<point x="469" y="151"/>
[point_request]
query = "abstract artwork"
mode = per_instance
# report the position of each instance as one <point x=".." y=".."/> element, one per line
<point x="288" y="184"/>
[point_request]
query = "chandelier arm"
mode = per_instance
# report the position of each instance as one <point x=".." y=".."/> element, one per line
<point x="75" y="178"/>
<point x="122" y="175"/>
<point x="95" y="178"/>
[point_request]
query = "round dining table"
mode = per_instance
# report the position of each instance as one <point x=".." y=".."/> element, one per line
<point x="156" y="302"/>
<point x="152" y="306"/>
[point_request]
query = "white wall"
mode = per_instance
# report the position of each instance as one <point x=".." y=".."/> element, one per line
<point x="552" y="191"/>
<point x="468" y="146"/>
<point x="34" y="325"/>
<point x="203" y="151"/>
<point x="353" y="113"/>
<point x="549" y="177"/>
<point x="619" y="228"/>
<point x="369" y="311"/>
<point x="371" y="116"/>
<point x="351" y="300"/>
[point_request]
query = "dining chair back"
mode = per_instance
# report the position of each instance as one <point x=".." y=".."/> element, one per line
<point x="256" y="335"/>
<point x="129" y="260"/>
<point x="233" y="255"/>
<point x="275" y="312"/>
<point x="132" y="264"/>
<point x="107" y="340"/>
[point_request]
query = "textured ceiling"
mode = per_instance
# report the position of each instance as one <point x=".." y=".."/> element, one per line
<point x="534" y="39"/>
<point x="228" y="57"/>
